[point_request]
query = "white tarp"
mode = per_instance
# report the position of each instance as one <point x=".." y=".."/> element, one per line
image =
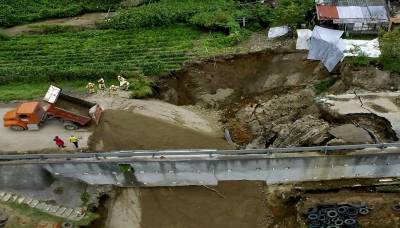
<point x="368" y="48"/>
<point x="303" y="39"/>
<point x="326" y="46"/>
<point x="278" y="31"/>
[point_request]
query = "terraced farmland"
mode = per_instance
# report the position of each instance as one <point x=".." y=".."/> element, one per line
<point x="93" y="54"/>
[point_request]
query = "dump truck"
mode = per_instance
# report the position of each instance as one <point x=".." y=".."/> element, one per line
<point x="71" y="111"/>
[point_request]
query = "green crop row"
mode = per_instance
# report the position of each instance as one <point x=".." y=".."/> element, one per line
<point x="14" y="12"/>
<point x="89" y="55"/>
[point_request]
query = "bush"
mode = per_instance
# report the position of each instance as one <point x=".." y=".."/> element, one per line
<point x="53" y="29"/>
<point x="210" y="14"/>
<point x="85" y="197"/>
<point x="3" y="35"/>
<point x="287" y="12"/>
<point x="390" y="48"/>
<point x="324" y="85"/>
<point x="141" y="86"/>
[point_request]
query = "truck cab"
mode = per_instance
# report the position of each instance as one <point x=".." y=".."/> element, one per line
<point x="26" y="116"/>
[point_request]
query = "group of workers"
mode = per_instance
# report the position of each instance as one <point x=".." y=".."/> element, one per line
<point x="123" y="84"/>
<point x="60" y="143"/>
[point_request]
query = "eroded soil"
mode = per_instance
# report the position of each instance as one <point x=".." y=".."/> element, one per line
<point x="124" y="130"/>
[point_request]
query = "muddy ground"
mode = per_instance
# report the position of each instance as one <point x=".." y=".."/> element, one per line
<point x="123" y="130"/>
<point x="247" y="204"/>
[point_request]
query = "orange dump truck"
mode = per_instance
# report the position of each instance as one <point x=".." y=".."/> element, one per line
<point x="72" y="111"/>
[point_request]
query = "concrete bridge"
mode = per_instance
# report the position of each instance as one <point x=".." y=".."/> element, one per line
<point x="202" y="167"/>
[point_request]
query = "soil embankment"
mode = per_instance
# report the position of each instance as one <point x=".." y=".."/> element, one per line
<point x="123" y="130"/>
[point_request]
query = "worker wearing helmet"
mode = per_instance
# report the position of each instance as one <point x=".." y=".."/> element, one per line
<point x="113" y="89"/>
<point x="90" y="87"/>
<point x="123" y="83"/>
<point x="102" y="84"/>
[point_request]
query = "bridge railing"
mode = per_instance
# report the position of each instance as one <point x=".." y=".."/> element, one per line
<point x="192" y="153"/>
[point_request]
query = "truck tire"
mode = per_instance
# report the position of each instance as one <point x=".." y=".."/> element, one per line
<point x="70" y="126"/>
<point x="16" y="128"/>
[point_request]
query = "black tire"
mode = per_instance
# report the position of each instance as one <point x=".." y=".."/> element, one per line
<point x="396" y="207"/>
<point x="16" y="128"/>
<point x="332" y="214"/>
<point x="363" y="211"/>
<point x="70" y="126"/>
<point x="67" y="225"/>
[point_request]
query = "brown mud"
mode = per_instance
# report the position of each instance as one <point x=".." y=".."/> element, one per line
<point x="123" y="130"/>
<point x="230" y="204"/>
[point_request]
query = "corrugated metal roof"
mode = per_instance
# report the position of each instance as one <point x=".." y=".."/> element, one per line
<point x="352" y="2"/>
<point x="353" y="14"/>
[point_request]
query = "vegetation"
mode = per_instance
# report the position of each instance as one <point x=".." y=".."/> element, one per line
<point x="390" y="47"/>
<point x="141" y="86"/>
<point x="206" y="13"/>
<point x="94" y="54"/>
<point x="22" y="91"/>
<point x="287" y="12"/>
<point x="324" y="85"/>
<point x="85" y="197"/>
<point x="14" y="12"/>
<point x="3" y="35"/>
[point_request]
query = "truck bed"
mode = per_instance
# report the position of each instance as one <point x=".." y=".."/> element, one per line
<point x="72" y="107"/>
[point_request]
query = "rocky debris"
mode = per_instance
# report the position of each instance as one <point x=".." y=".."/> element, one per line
<point x="269" y="116"/>
<point x="350" y="134"/>
<point x="307" y="130"/>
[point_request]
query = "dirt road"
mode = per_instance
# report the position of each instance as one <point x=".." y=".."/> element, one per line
<point x="84" y="21"/>
<point x="42" y="140"/>
<point x="121" y="130"/>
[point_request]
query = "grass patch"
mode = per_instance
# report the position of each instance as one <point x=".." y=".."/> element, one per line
<point x="24" y="91"/>
<point x="390" y="47"/>
<point x="324" y="85"/>
<point x="3" y="35"/>
<point x="14" y="12"/>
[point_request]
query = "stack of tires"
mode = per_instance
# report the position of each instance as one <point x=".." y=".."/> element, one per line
<point x="335" y="215"/>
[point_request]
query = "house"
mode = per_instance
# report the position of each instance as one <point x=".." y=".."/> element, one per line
<point x="354" y="16"/>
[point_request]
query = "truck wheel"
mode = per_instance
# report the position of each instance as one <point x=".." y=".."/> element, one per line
<point x="70" y="126"/>
<point x="16" y="128"/>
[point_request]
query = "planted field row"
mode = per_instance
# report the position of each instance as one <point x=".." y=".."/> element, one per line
<point x="72" y="49"/>
<point x="106" y="54"/>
